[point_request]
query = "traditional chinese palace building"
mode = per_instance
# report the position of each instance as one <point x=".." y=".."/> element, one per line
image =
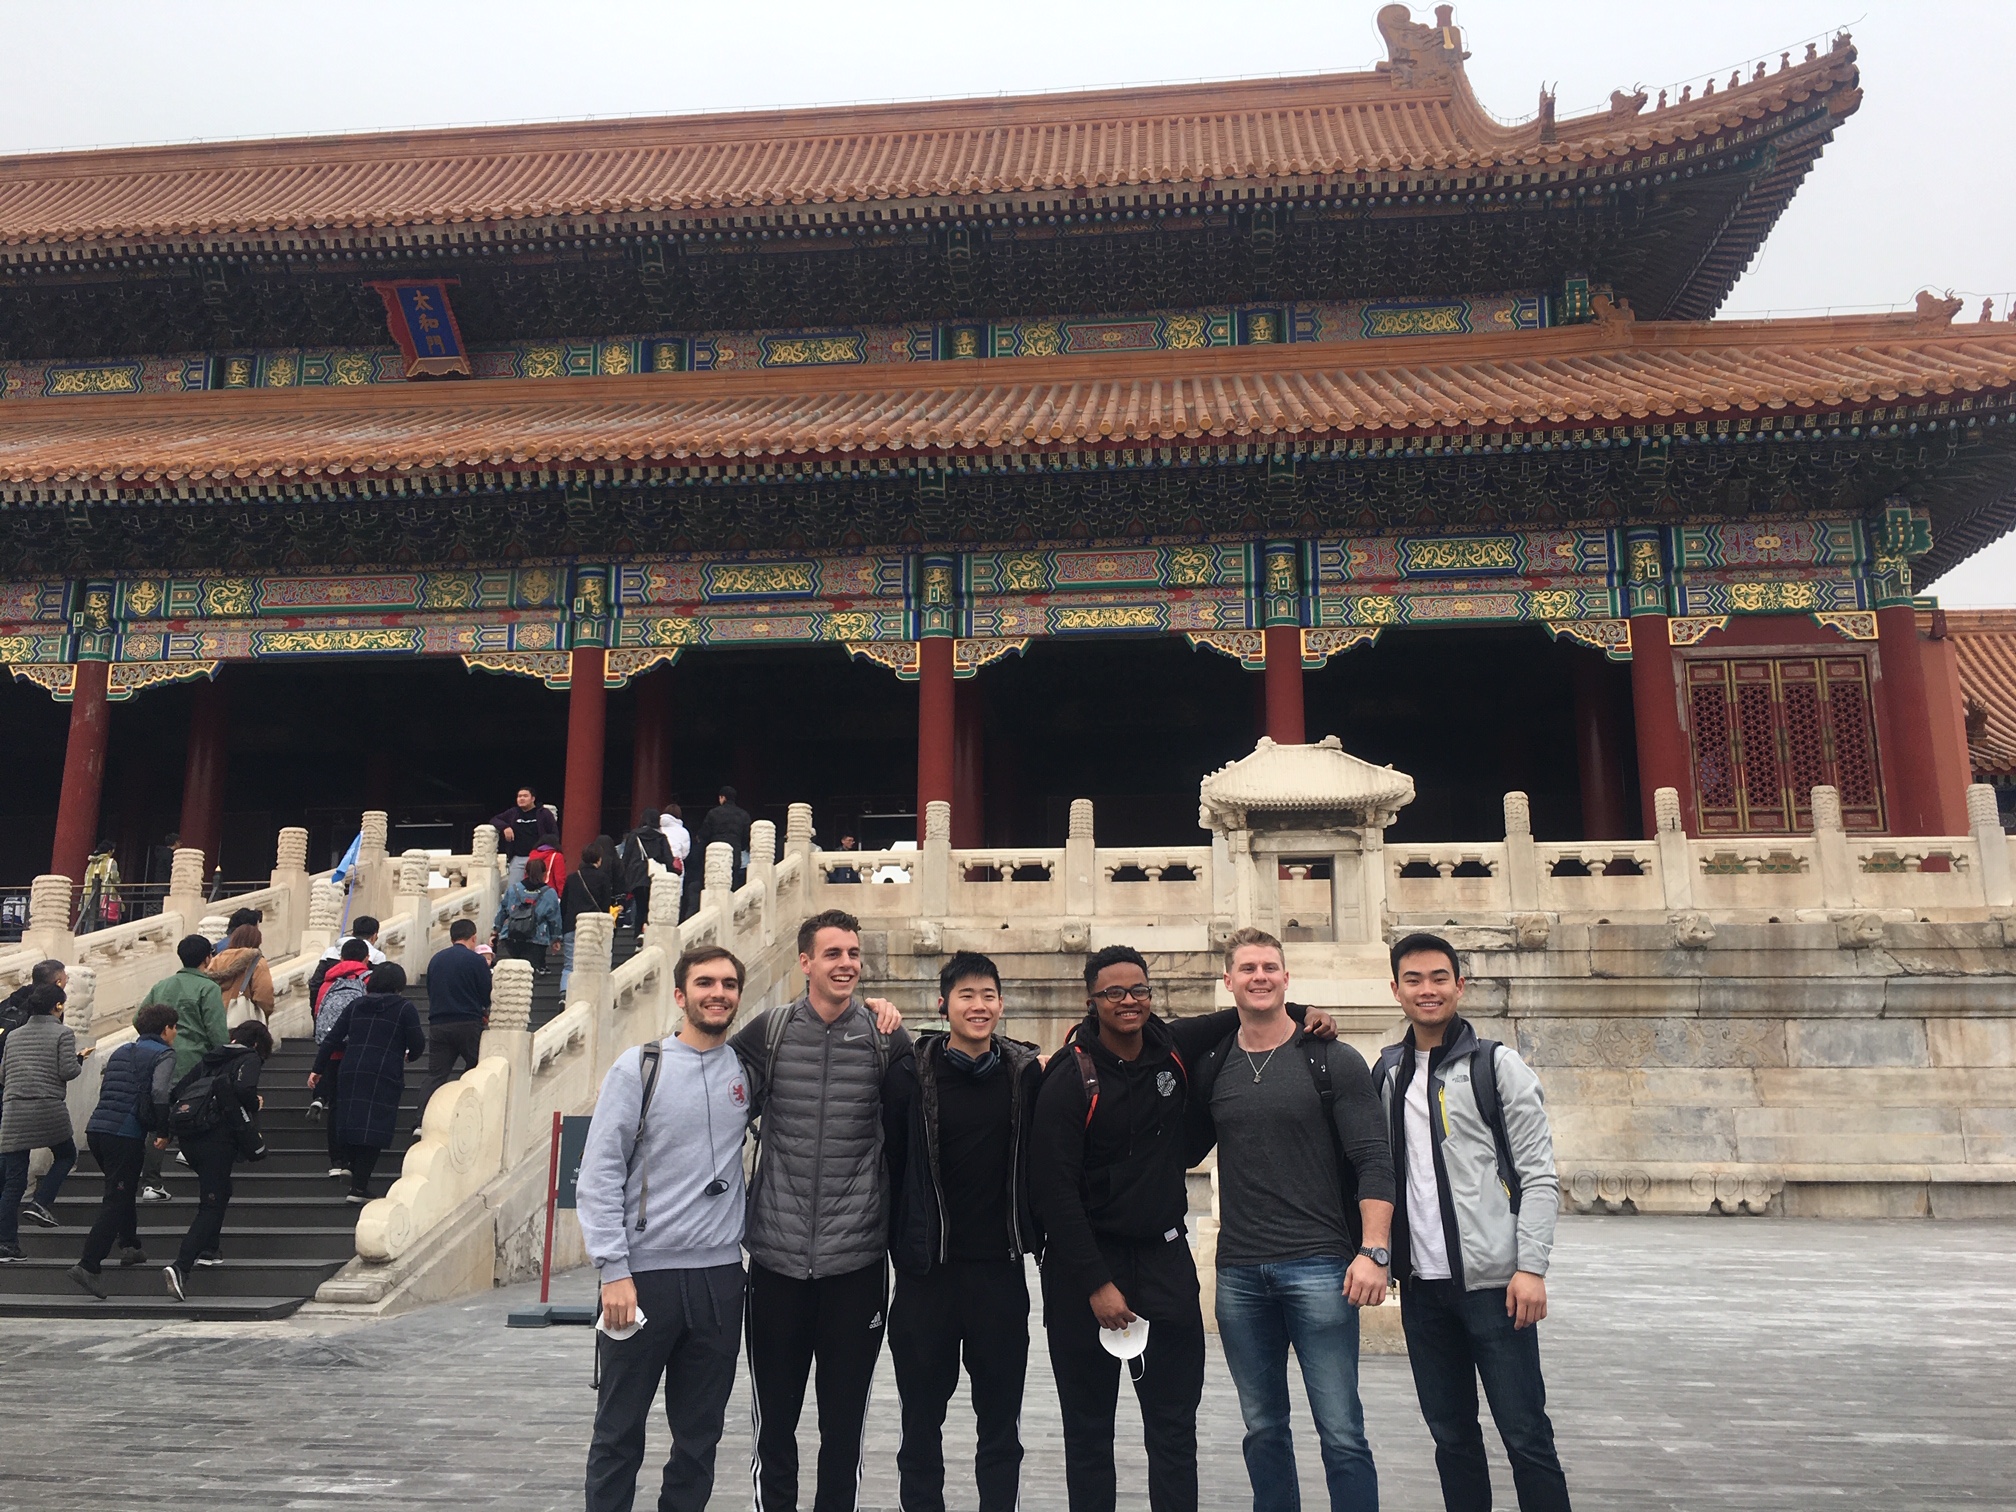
<point x="1003" y="451"/>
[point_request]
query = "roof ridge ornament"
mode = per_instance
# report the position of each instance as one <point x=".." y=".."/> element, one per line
<point x="1417" y="56"/>
<point x="1936" y="309"/>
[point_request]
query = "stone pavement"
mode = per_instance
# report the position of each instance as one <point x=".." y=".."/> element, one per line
<point x="1693" y="1363"/>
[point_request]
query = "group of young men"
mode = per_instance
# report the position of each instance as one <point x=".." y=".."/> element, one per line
<point x="959" y="1154"/>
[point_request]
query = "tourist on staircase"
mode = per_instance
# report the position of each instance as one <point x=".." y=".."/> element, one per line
<point x="590" y="888"/>
<point x="727" y="822"/>
<point x="118" y="1138"/>
<point x="201" y="1026"/>
<point x="644" y="857"/>
<point x="956" y="1117"/>
<point x="523" y="828"/>
<point x="214" y="1113"/>
<point x="14" y="1007"/>
<point x="36" y="1061"/>
<point x="1474" y="1161"/>
<point x="363" y="930"/>
<point x="243" y="978"/>
<point x="661" y="1204"/>
<point x="340" y="988"/>
<point x="1305" y="1185"/>
<point x="240" y="917"/>
<point x="366" y="1054"/>
<point x="458" y="1007"/>
<point x="527" y="926"/>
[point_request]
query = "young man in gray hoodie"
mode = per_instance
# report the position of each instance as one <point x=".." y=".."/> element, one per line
<point x="661" y="1206"/>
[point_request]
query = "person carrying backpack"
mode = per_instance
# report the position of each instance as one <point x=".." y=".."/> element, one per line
<point x="117" y="1134"/>
<point x="1474" y="1161"/>
<point x="643" y="857"/>
<point x="40" y="1057"/>
<point x="528" y="919"/>
<point x="343" y="985"/>
<point x="365" y="1053"/>
<point x="214" y="1112"/>
<point x="590" y="888"/>
<point x="202" y="1025"/>
<point x="1305" y="1187"/>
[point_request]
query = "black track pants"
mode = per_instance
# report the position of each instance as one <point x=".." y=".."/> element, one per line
<point x="980" y="1309"/>
<point x="837" y="1321"/>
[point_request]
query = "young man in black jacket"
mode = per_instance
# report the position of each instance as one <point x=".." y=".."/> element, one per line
<point x="957" y="1114"/>
<point x="217" y="1149"/>
<point x="1107" y="1169"/>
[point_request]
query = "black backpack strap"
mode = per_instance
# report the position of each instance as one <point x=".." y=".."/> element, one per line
<point x="648" y="1061"/>
<point x="1484" y="1085"/>
<point x="1088" y="1077"/>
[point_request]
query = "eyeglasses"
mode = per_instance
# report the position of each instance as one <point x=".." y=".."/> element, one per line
<point x="1118" y="995"/>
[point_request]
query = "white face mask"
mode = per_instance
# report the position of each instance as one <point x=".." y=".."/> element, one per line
<point x="1125" y="1343"/>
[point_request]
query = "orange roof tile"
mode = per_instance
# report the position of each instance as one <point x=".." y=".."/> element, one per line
<point x="1984" y="641"/>
<point x="1614" y="371"/>
<point x="1414" y="112"/>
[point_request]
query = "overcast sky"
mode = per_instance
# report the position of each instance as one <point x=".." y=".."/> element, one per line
<point x="1912" y="194"/>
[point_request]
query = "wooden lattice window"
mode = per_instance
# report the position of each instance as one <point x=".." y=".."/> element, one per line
<point x="1768" y="729"/>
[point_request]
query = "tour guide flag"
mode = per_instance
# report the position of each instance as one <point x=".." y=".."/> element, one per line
<point x="422" y="323"/>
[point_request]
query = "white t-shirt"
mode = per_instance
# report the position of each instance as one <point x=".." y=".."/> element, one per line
<point x="1427" y="1246"/>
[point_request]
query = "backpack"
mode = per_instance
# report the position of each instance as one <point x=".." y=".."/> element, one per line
<point x="1485" y="1089"/>
<point x="152" y="1108"/>
<point x="197" y="1103"/>
<point x="636" y="867"/>
<point x="342" y="992"/>
<point x="1088" y="1078"/>
<point x="521" y="920"/>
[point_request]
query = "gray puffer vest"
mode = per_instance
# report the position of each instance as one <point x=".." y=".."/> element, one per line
<point x="819" y="1198"/>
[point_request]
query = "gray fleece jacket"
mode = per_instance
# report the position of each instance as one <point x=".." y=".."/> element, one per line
<point x="692" y="1136"/>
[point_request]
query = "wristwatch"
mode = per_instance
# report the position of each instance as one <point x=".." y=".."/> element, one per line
<point x="1379" y="1255"/>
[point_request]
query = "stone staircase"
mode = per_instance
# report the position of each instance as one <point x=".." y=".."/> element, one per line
<point x="288" y="1229"/>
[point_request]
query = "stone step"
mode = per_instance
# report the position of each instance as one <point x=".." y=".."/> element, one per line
<point x="301" y="1201"/>
<point x="163" y="1236"/>
<point x="235" y="1278"/>
<point x="162" y="1309"/>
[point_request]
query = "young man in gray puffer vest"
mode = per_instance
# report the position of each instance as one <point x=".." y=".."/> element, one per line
<point x="818" y="1216"/>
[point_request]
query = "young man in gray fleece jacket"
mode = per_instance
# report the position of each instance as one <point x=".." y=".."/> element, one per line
<point x="661" y="1212"/>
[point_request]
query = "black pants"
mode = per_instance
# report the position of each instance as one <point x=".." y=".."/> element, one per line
<point x="690" y="1338"/>
<point x="837" y="1320"/>
<point x="362" y="1160"/>
<point x="447" y="1043"/>
<point x="981" y="1307"/>
<point x="1168" y="1377"/>
<point x="529" y="951"/>
<point x="118" y="1218"/>
<point x="212" y="1155"/>
<point x="1454" y="1337"/>
<point x="152" y="1159"/>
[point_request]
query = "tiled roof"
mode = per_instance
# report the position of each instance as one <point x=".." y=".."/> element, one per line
<point x="1984" y="640"/>
<point x="1609" y="372"/>
<point x="1415" y="112"/>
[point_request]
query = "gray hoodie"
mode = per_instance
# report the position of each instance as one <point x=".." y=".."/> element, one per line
<point x="692" y="1135"/>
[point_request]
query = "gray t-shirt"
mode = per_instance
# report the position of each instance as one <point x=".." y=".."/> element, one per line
<point x="1279" y="1193"/>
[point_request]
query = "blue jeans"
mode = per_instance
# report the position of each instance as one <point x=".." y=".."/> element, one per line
<point x="14" y="1185"/>
<point x="1453" y="1338"/>
<point x="1262" y="1309"/>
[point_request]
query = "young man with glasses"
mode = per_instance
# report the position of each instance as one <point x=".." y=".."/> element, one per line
<point x="1305" y="1191"/>
<point x="1109" y="1157"/>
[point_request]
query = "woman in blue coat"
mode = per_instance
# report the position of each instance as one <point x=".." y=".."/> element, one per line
<point x="375" y="1037"/>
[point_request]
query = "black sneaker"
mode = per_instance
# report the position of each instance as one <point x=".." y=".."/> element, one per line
<point x="173" y="1278"/>
<point x="11" y="1252"/>
<point x="315" y="1110"/>
<point x="156" y="1193"/>
<point x="209" y="1260"/>
<point x="356" y="1199"/>
<point x="132" y="1254"/>
<point x="37" y="1214"/>
<point x="88" y="1280"/>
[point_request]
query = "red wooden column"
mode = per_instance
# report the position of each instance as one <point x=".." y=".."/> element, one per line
<point x="937" y="725"/>
<point x="969" y="766"/>
<point x="1599" y="748"/>
<point x="204" y="769"/>
<point x="1663" y="759"/>
<point x="1284" y="685"/>
<point x="1911" y="758"/>
<point x="650" y="745"/>
<point x="83" y="771"/>
<point x="587" y="718"/>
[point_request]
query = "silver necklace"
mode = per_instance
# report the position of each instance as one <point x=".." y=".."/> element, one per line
<point x="1262" y="1066"/>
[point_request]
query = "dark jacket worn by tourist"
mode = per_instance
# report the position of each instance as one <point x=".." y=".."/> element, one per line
<point x="128" y="1080"/>
<point x="918" y="1213"/>
<point x="240" y="1065"/>
<point x="588" y="890"/>
<point x="41" y="1059"/>
<point x="528" y="831"/>
<point x="376" y="1036"/>
<point x="726" y="823"/>
<point x="818" y="1201"/>
<point x="458" y="986"/>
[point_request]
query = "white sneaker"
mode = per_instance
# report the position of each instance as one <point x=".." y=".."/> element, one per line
<point x="156" y="1194"/>
<point x="173" y="1278"/>
<point x="339" y="1170"/>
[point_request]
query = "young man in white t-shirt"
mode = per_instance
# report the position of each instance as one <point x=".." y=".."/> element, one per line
<point x="1474" y="1166"/>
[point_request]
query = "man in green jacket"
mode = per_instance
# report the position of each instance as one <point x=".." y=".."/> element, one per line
<point x="201" y="1026"/>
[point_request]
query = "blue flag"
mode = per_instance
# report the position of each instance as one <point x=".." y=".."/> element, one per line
<point x="349" y="860"/>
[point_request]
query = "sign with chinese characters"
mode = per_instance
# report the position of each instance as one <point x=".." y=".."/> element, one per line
<point x="423" y="325"/>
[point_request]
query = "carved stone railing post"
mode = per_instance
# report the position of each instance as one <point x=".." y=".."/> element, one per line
<point x="325" y="916"/>
<point x="372" y="882"/>
<point x="717" y="885"/>
<point x="1522" y="859"/>
<point x="661" y="925"/>
<point x="185" y="888"/>
<point x="594" y="944"/>
<point x="934" y="865"/>
<point x="48" y="931"/>
<point x="798" y="835"/>
<point x="763" y="869"/>
<point x="1081" y="863"/>
<point x="411" y="900"/>
<point x="1830" y="839"/>
<point x="509" y="1035"/>
<point x="1984" y="820"/>
<point x="290" y="875"/>
<point x="485" y="873"/>
<point x="1676" y="852"/>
